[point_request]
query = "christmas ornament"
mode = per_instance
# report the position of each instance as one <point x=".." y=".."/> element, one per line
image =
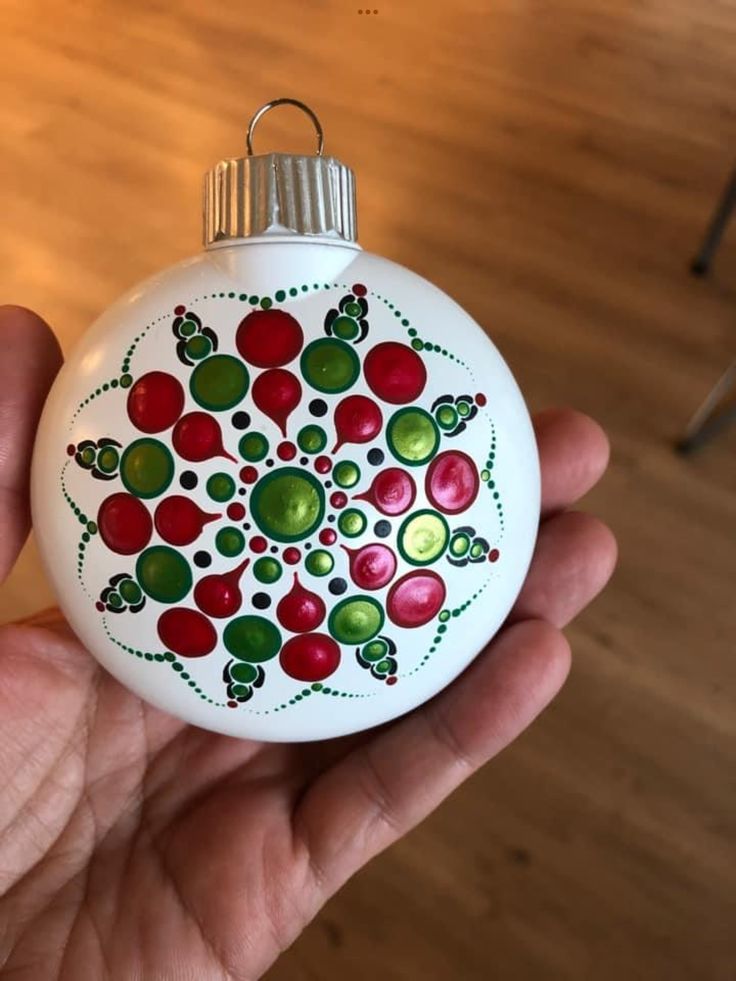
<point x="286" y="489"/>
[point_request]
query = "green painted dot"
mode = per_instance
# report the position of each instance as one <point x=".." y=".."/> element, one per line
<point x="240" y="691"/>
<point x="317" y="686"/>
<point x="460" y="544"/>
<point x="252" y="638"/>
<point x="413" y="436"/>
<point x="356" y="620"/>
<point x="85" y="536"/>
<point x="164" y="574"/>
<point x="146" y="468"/>
<point x="219" y="382"/>
<point x="346" y="328"/>
<point x="230" y="541"/>
<point x="243" y="672"/>
<point x="352" y="522"/>
<point x="311" y="439"/>
<point x="293" y="291"/>
<point x="266" y="303"/>
<point x="253" y="299"/>
<point x="330" y="365"/>
<point x="417" y="344"/>
<point x="288" y="504"/>
<point x="88" y="455"/>
<point x="476" y="550"/>
<point x="114" y="601"/>
<point x="220" y="487"/>
<point x="463" y="409"/>
<point x="280" y="295"/>
<point x="485" y="474"/>
<point x="346" y="473"/>
<point x="444" y="616"/>
<point x="353" y="309"/>
<point x="198" y="347"/>
<point x="187" y="328"/>
<point x="446" y="417"/>
<point x="319" y="562"/>
<point x="108" y="459"/>
<point x="423" y="537"/>
<point x="267" y="570"/>
<point x="383" y="667"/>
<point x="374" y="651"/>
<point x="92" y="527"/>
<point x="253" y="447"/>
<point x="442" y="629"/>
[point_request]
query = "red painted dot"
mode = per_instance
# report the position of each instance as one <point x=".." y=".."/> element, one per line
<point x="155" y="402"/>
<point x="236" y="511"/>
<point x="480" y="399"/>
<point x="357" y="420"/>
<point x="300" y="610"/>
<point x="292" y="555"/>
<point x="328" y="536"/>
<point x="310" y="657"/>
<point x="125" y="524"/>
<point x="186" y="632"/>
<point x="258" y="544"/>
<point x="392" y="491"/>
<point x="372" y="566"/>
<point x="323" y="464"/>
<point x="71" y="449"/>
<point x="286" y="451"/>
<point x="249" y="475"/>
<point x="269" y="338"/>
<point x="392" y="680"/>
<point x="395" y="372"/>
<point x="359" y="289"/>
<point x="180" y="310"/>
<point x="277" y="393"/>
<point x="220" y="595"/>
<point x="452" y="482"/>
<point x="415" y="599"/>
<point x="197" y="436"/>
<point x="493" y="555"/>
<point x="179" y="521"/>
<point x="99" y="606"/>
<point x="338" y="499"/>
<point x="232" y="705"/>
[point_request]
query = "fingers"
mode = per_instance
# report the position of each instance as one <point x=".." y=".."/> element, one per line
<point x="25" y="379"/>
<point x="573" y="455"/>
<point x="396" y="778"/>
<point x="573" y="560"/>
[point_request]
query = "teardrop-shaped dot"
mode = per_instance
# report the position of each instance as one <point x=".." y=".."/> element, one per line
<point x="269" y="338"/>
<point x="310" y="657"/>
<point x="392" y="491"/>
<point x="300" y="610"/>
<point x="155" y="402"/>
<point x="219" y="595"/>
<point x="358" y="419"/>
<point x="179" y="521"/>
<point x="416" y="598"/>
<point x="186" y="632"/>
<point x="371" y="566"/>
<point x="197" y="436"/>
<point x="452" y="481"/>
<point x="124" y="524"/>
<point x="277" y="393"/>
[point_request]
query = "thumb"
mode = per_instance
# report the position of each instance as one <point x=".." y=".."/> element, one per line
<point x="31" y="357"/>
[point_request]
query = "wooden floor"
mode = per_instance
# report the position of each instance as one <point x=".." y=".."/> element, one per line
<point x="549" y="163"/>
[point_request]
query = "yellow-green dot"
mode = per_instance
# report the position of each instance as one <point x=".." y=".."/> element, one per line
<point x="319" y="562"/>
<point x="267" y="570"/>
<point x="91" y="527"/>
<point x="459" y="544"/>
<point x="444" y="615"/>
<point x="266" y="303"/>
<point x="374" y="651"/>
<point x="164" y="574"/>
<point x="346" y="473"/>
<point x="423" y="537"/>
<point x="352" y="522"/>
<point x="220" y="487"/>
<point x="252" y="638"/>
<point x="356" y="620"/>
<point x="346" y="328"/>
<point x="253" y="447"/>
<point x="146" y="468"/>
<point x="446" y="417"/>
<point x="330" y="365"/>
<point x="219" y="382"/>
<point x="130" y="591"/>
<point x="417" y="344"/>
<point x="412" y="436"/>
<point x="198" y="347"/>
<point x="485" y="474"/>
<point x="230" y="541"/>
<point x="311" y="439"/>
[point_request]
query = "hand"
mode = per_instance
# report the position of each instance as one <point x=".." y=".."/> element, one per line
<point x="133" y="845"/>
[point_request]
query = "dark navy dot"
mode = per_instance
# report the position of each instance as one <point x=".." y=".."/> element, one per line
<point x="188" y="480"/>
<point x="246" y="526"/>
<point x="241" y="491"/>
<point x="382" y="529"/>
<point x="375" y="456"/>
<point x="269" y="463"/>
<point x="330" y="518"/>
<point x="328" y="484"/>
<point x="261" y="601"/>
<point x="202" y="559"/>
<point x="337" y="586"/>
<point x="318" y="407"/>
<point x="307" y="546"/>
<point x="241" y="420"/>
<point x="274" y="549"/>
<point x="303" y="460"/>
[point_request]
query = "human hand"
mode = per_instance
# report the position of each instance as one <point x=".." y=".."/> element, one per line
<point x="134" y="845"/>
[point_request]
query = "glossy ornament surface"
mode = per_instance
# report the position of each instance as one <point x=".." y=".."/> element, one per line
<point x="286" y="489"/>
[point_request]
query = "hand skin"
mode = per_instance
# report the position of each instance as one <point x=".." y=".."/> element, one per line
<point x="135" y="846"/>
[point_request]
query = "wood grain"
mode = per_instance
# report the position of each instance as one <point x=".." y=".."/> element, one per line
<point x="551" y="165"/>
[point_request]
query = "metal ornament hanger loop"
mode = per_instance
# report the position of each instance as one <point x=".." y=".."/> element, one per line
<point x="281" y="102"/>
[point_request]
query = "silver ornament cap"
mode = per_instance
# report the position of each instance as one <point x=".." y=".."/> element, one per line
<point x="280" y="193"/>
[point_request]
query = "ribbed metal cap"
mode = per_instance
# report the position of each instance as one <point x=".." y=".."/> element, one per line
<point x="280" y="193"/>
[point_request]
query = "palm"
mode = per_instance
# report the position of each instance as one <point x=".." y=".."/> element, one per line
<point x="134" y="843"/>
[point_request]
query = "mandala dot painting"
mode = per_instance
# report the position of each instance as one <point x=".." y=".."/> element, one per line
<point x="291" y="502"/>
